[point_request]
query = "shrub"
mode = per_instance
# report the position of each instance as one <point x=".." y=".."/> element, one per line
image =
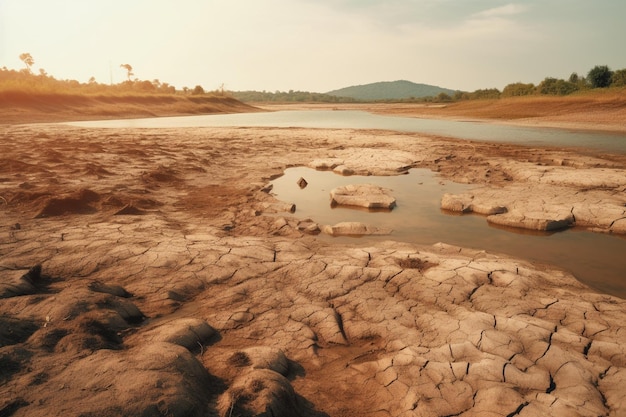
<point x="518" y="89"/>
<point x="556" y="87"/>
<point x="619" y="78"/>
<point x="600" y="76"/>
<point x="198" y="90"/>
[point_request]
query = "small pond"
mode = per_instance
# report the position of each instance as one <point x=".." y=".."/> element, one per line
<point x="595" y="259"/>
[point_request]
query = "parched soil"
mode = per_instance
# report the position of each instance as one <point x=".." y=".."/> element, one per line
<point x="151" y="272"/>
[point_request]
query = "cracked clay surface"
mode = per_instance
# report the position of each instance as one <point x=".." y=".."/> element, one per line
<point x="150" y="272"/>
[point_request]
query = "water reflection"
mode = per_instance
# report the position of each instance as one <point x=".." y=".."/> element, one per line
<point x="595" y="259"/>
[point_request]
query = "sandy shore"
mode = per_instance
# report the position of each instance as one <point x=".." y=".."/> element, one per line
<point x="151" y="272"/>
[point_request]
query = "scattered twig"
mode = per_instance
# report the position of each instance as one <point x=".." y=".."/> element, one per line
<point x="201" y="348"/>
<point x="5" y="200"/>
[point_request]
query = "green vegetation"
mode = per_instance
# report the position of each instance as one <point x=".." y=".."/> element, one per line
<point x="619" y="78"/>
<point x="556" y="87"/>
<point x="408" y="92"/>
<point x="25" y="81"/>
<point x="291" y="96"/>
<point x="599" y="76"/>
<point x="518" y="89"/>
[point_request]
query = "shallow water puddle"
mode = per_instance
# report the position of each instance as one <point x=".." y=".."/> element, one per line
<point x="595" y="259"/>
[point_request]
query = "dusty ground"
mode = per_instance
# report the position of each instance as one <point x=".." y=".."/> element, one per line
<point x="151" y="272"/>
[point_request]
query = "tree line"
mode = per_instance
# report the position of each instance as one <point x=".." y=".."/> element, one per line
<point x="27" y="80"/>
<point x="289" y="96"/>
<point x="600" y="76"/>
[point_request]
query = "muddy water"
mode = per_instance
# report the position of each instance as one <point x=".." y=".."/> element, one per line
<point x="595" y="259"/>
<point x="530" y="136"/>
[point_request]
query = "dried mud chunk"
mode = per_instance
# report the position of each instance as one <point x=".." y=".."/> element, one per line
<point x="160" y="174"/>
<point x="261" y="392"/>
<point x="116" y="290"/>
<point x="14" y="331"/>
<point x="362" y="195"/>
<point x="261" y="357"/>
<point x="155" y="379"/>
<point x="18" y="283"/>
<point x="10" y="408"/>
<point x="189" y="333"/>
<point x="80" y="203"/>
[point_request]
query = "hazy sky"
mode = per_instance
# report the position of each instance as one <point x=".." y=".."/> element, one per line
<point x="315" y="45"/>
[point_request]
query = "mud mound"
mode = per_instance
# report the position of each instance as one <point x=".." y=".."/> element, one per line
<point x="97" y="170"/>
<point x="154" y="380"/>
<point x="26" y="197"/>
<point x="192" y="334"/>
<point x="19" y="283"/>
<point x="79" y="203"/>
<point x="13" y="331"/>
<point x="261" y="392"/>
<point x="160" y="174"/>
<point x="15" y="165"/>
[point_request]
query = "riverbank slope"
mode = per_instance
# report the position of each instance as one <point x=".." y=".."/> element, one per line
<point x="593" y="110"/>
<point x="36" y="107"/>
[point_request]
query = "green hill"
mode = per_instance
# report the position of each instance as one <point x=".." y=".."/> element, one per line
<point x="390" y="90"/>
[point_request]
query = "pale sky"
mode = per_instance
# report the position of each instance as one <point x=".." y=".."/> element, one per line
<point x="315" y="45"/>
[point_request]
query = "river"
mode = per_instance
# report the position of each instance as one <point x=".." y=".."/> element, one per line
<point x="355" y="119"/>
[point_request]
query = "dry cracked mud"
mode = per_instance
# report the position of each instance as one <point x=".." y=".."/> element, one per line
<point x="151" y="272"/>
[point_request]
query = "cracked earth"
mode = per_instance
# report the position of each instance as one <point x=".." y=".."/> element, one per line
<point x="151" y="272"/>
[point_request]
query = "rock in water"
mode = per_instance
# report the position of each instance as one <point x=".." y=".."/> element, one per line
<point x="362" y="195"/>
<point x="302" y="183"/>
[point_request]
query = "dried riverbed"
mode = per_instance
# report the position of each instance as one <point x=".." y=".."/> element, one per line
<point x="173" y="283"/>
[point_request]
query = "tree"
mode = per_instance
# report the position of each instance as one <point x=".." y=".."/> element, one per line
<point x="556" y="87"/>
<point x="28" y="60"/>
<point x="129" y="70"/>
<point x="442" y="97"/>
<point x="619" y="78"/>
<point x="145" y="85"/>
<point x="485" y="94"/>
<point x="573" y="78"/>
<point x="518" y="89"/>
<point x="198" y="90"/>
<point x="459" y="95"/>
<point x="600" y="76"/>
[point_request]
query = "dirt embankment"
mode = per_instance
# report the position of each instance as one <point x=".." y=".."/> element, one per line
<point x="22" y="107"/>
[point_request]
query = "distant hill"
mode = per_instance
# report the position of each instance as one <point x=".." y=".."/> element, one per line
<point x="390" y="90"/>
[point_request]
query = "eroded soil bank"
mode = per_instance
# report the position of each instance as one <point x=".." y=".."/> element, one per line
<point x="151" y="272"/>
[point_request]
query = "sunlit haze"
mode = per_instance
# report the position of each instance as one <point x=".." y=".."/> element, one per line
<point x="314" y="45"/>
